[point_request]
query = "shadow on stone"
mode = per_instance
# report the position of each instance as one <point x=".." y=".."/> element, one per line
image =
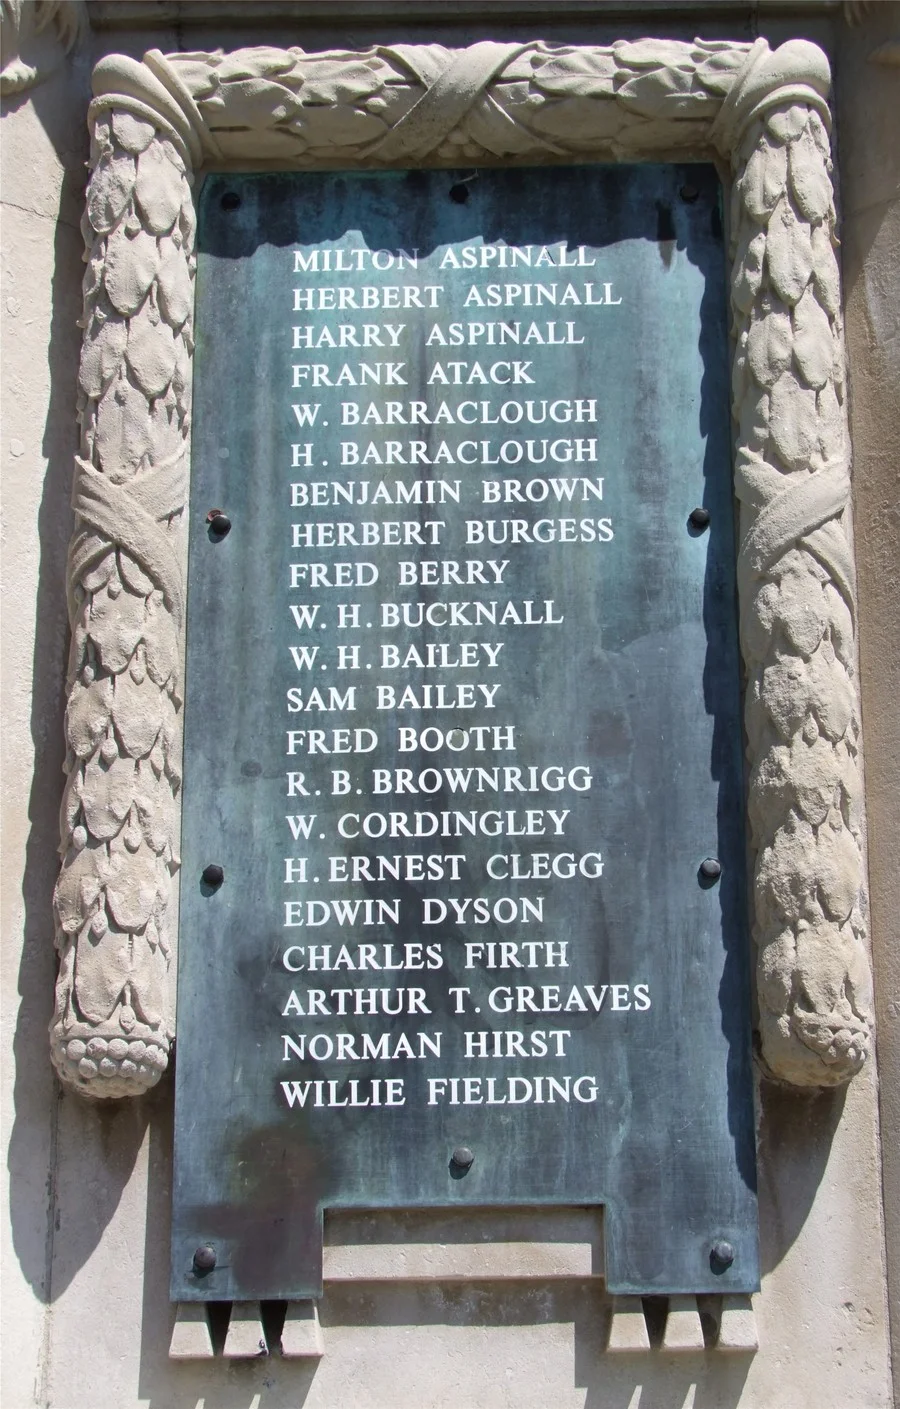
<point x="795" y="1136"/>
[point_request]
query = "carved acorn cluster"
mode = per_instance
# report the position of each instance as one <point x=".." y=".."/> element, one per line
<point x="119" y="819"/>
<point x="797" y="604"/>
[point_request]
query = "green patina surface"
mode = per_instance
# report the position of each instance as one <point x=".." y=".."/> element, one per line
<point x="490" y="543"/>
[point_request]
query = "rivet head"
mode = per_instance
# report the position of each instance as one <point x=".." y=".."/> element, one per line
<point x="710" y="869"/>
<point x="462" y="1157"/>
<point x="212" y="875"/>
<point x="204" y="1259"/>
<point x="219" y="522"/>
<point x="721" y="1255"/>
<point x="699" y="518"/>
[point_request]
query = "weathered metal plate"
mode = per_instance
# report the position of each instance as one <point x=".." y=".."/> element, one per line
<point x="551" y="417"/>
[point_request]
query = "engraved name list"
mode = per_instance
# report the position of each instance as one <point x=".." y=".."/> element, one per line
<point x="488" y="463"/>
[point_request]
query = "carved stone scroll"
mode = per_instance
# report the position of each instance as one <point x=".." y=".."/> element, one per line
<point x="154" y="124"/>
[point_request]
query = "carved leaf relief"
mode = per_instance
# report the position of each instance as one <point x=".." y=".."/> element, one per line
<point x="534" y="102"/>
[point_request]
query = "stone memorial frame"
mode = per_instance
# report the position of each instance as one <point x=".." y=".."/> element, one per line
<point x="157" y="124"/>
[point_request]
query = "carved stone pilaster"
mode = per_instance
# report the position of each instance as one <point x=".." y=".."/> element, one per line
<point x="154" y="123"/>
<point x="795" y="570"/>
<point x="120" y="820"/>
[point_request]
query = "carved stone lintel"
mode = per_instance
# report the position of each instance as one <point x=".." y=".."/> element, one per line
<point x="153" y="124"/>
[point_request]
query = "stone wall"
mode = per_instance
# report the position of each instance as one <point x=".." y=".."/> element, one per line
<point x="87" y="1322"/>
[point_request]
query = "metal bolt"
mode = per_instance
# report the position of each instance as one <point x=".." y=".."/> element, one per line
<point x="219" y="522"/>
<point x="213" y="875"/>
<point x="699" y="518"/>
<point x="710" y="869"/>
<point x="721" y="1255"/>
<point x="462" y="1157"/>
<point x="204" y="1259"/>
<point x="689" y="193"/>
